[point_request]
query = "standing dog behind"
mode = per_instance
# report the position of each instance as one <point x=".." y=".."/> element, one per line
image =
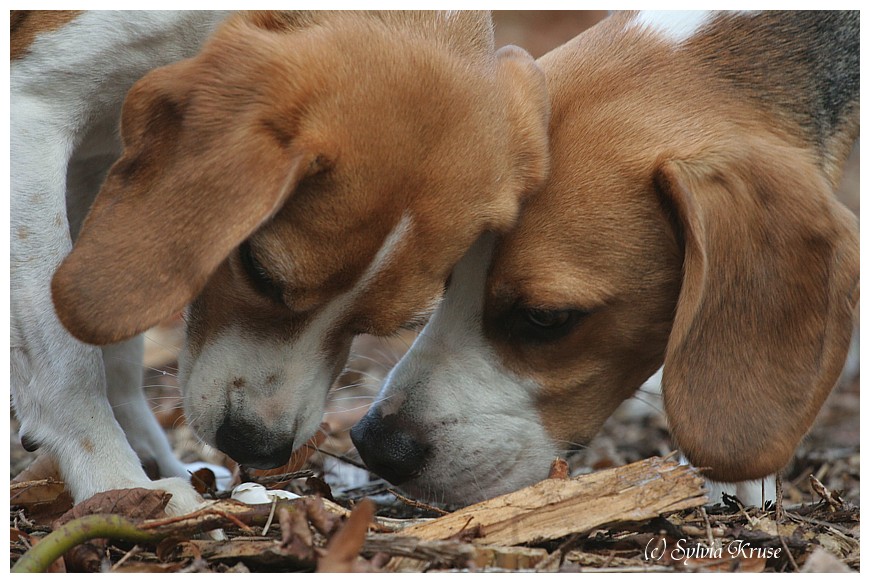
<point x="302" y="179"/>
<point x="689" y="220"/>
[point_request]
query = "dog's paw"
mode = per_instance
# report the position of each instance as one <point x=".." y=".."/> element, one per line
<point x="184" y="498"/>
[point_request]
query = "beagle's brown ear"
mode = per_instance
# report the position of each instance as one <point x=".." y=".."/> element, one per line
<point x="171" y="209"/>
<point x="528" y="108"/>
<point x="765" y="314"/>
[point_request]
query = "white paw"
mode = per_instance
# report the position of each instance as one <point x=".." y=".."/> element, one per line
<point x="184" y="498"/>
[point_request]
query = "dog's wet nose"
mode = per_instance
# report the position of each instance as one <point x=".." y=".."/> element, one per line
<point x="387" y="448"/>
<point x="248" y="444"/>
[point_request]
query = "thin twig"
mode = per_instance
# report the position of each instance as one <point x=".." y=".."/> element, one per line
<point x="123" y="559"/>
<point x="338" y="456"/>
<point x="271" y="516"/>
<point x="787" y="551"/>
<point x="265" y="480"/>
<point x="780" y="513"/>
<point x="417" y="503"/>
<point x="707" y="526"/>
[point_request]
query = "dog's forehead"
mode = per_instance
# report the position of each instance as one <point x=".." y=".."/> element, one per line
<point x="317" y="268"/>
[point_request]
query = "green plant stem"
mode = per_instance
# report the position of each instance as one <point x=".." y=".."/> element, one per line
<point x="77" y="531"/>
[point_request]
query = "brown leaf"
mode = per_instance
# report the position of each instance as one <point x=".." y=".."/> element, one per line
<point x="171" y="418"/>
<point x="203" y="481"/>
<point x="299" y="457"/>
<point x="39" y="491"/>
<point x="316" y="486"/>
<point x="42" y="468"/>
<point x="558" y="469"/>
<point x="134" y="503"/>
<point x="296" y="537"/>
<point x="85" y="558"/>
<point x="16" y="535"/>
<point x="344" y="547"/>
<point x="325" y="522"/>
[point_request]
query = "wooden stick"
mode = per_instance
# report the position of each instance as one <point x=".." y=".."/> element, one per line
<point x="555" y="508"/>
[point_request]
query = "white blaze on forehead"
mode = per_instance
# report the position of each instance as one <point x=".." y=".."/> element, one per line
<point x="385" y="253"/>
<point x="678" y="25"/>
<point x="480" y="419"/>
<point x="316" y="331"/>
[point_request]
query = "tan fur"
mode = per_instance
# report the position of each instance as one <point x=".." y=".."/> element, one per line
<point x="310" y="135"/>
<point x="698" y="227"/>
<point x="26" y="25"/>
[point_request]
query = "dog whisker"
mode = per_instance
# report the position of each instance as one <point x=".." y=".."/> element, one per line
<point x="353" y="398"/>
<point x="375" y="378"/>
<point x="171" y="347"/>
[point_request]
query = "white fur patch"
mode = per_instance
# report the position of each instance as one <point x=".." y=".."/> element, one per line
<point x="485" y="434"/>
<point x="678" y="25"/>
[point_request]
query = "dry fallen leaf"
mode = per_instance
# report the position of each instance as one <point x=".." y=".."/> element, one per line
<point x="299" y="457"/>
<point x="343" y="549"/>
<point x="134" y="503"/>
<point x="40" y="491"/>
<point x="203" y="481"/>
<point x="558" y="469"/>
<point x="44" y="500"/>
<point x="296" y="537"/>
<point x="325" y="522"/>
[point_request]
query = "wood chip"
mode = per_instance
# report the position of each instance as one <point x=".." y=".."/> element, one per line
<point x="555" y="508"/>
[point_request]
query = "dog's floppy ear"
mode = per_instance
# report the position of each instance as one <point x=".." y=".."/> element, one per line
<point x="528" y="106"/>
<point x="765" y="313"/>
<point x="170" y="211"/>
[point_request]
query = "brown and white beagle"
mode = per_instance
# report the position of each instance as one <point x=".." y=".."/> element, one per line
<point x="688" y="221"/>
<point x="294" y="178"/>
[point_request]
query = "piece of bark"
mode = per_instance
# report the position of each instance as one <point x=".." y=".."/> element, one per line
<point x="261" y="552"/>
<point x="555" y="508"/>
<point x="511" y="558"/>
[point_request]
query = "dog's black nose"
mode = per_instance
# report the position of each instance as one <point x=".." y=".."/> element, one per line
<point x="248" y="444"/>
<point x="387" y="448"/>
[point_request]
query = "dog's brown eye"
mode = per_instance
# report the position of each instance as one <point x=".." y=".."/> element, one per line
<point x="259" y="277"/>
<point x="547" y="318"/>
<point x="542" y="325"/>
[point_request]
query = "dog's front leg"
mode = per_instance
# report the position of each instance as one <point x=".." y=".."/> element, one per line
<point x="58" y="383"/>
<point x="124" y="385"/>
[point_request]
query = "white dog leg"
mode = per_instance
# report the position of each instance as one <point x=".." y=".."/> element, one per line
<point x="124" y="384"/>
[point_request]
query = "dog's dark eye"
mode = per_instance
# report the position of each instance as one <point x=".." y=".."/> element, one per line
<point x="259" y="277"/>
<point x="543" y="325"/>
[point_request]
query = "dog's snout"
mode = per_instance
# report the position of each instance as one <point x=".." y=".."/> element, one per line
<point x="388" y="448"/>
<point x="248" y="444"/>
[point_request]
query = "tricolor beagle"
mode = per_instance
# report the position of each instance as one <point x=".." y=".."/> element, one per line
<point x="294" y="178"/>
<point x="689" y="220"/>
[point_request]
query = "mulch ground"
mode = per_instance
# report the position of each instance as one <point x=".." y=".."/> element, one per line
<point x="817" y="528"/>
